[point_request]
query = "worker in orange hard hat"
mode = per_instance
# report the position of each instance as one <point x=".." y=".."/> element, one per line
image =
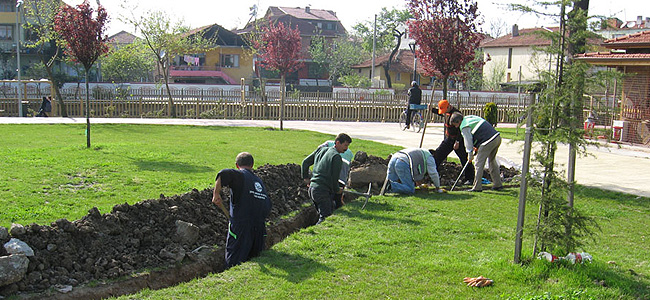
<point x="453" y="141"/>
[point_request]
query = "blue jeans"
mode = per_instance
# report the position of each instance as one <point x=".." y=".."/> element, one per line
<point x="400" y="177"/>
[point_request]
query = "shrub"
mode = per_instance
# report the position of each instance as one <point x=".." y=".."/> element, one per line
<point x="490" y="113"/>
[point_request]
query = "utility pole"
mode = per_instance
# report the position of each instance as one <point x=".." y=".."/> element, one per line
<point x="20" y="92"/>
<point x="374" y="44"/>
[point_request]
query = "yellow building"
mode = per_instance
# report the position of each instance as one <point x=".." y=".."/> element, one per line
<point x="226" y="63"/>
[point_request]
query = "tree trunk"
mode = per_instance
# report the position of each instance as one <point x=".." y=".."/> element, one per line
<point x="283" y="90"/>
<point x="63" y="112"/>
<point x="444" y="87"/>
<point x="87" y="111"/>
<point x="171" y="109"/>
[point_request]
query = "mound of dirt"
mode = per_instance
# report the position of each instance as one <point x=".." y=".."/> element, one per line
<point x="141" y="236"/>
<point x="366" y="166"/>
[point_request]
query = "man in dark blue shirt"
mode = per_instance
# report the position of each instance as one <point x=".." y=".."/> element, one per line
<point x="249" y="207"/>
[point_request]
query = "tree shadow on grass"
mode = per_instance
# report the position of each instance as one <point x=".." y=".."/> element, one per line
<point x="292" y="267"/>
<point x="170" y="166"/>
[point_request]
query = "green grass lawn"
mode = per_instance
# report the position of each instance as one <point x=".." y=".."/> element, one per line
<point x="399" y="247"/>
<point x="47" y="173"/>
<point x="421" y="247"/>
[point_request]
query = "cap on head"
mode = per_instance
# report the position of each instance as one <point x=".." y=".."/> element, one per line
<point x="443" y="105"/>
<point x="414" y="83"/>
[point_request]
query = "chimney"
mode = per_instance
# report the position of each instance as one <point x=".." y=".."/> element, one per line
<point x="639" y="20"/>
<point x="515" y="30"/>
<point x="307" y="9"/>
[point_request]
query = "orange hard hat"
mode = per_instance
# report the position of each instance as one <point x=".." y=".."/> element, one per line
<point x="443" y="105"/>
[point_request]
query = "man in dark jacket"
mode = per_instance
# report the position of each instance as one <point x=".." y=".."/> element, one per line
<point x="453" y="141"/>
<point x="249" y="207"/>
<point x="324" y="182"/>
<point x="415" y="97"/>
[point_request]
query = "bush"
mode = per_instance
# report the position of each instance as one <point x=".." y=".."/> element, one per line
<point x="490" y="113"/>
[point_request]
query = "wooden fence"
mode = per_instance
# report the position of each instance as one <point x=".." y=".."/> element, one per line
<point x="220" y="104"/>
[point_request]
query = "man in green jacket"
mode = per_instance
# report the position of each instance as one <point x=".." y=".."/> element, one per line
<point x="323" y="184"/>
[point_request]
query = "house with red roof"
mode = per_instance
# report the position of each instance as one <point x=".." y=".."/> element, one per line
<point x="505" y="56"/>
<point x="630" y="54"/>
<point x="401" y="69"/>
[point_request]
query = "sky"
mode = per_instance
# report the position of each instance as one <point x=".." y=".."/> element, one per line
<point x="235" y="14"/>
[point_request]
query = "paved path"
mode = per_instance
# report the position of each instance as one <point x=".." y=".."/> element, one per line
<point x="625" y="169"/>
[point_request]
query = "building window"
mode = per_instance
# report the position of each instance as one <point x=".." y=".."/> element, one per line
<point x="398" y="77"/>
<point x="509" y="58"/>
<point x="230" y="60"/>
<point x="329" y="26"/>
<point x="509" y="77"/>
<point x="7" y="6"/>
<point x="6" y="32"/>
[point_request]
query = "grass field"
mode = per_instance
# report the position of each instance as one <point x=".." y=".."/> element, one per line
<point x="47" y="172"/>
<point x="416" y="247"/>
<point x="421" y="247"/>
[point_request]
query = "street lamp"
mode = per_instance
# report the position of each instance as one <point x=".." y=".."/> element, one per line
<point x="20" y="93"/>
<point x="415" y="62"/>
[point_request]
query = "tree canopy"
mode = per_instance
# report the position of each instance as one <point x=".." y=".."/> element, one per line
<point x="83" y="35"/>
<point x="447" y="35"/>
<point x="279" y="48"/>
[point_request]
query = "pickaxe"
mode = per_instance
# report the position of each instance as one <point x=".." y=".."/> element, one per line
<point x="366" y="194"/>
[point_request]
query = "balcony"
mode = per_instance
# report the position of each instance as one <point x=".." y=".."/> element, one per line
<point x="200" y="71"/>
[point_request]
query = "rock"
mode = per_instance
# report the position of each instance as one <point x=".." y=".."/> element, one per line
<point x="16" y="246"/>
<point x="64" y="289"/>
<point x="12" y="268"/>
<point x="173" y="252"/>
<point x="361" y="176"/>
<point x="186" y="232"/>
<point x="17" y="229"/>
<point x="4" y="233"/>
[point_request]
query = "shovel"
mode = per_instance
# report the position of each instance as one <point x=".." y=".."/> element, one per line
<point x="461" y="174"/>
<point x="366" y="194"/>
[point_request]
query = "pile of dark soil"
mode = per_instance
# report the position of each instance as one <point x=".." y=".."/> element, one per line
<point x="448" y="171"/>
<point x="140" y="236"/>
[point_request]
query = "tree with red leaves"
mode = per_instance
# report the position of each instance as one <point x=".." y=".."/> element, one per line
<point x="279" y="49"/>
<point x="446" y="32"/>
<point x="85" y="40"/>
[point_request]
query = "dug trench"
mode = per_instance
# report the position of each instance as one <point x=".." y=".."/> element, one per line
<point x="161" y="242"/>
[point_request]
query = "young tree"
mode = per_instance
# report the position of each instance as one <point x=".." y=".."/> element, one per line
<point x="166" y="40"/>
<point x="560" y="226"/>
<point x="130" y="63"/>
<point x="279" y="48"/>
<point x="337" y="57"/>
<point x="85" y="40"/>
<point x="446" y="32"/>
<point x="391" y="26"/>
<point x="45" y="42"/>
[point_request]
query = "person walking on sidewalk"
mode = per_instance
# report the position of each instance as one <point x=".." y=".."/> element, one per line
<point x="415" y="97"/>
<point x="250" y="205"/>
<point x="407" y="168"/>
<point x="479" y="133"/>
<point x="324" y="182"/>
<point x="453" y="141"/>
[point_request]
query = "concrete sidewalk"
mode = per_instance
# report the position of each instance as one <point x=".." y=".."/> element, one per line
<point x="624" y="168"/>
